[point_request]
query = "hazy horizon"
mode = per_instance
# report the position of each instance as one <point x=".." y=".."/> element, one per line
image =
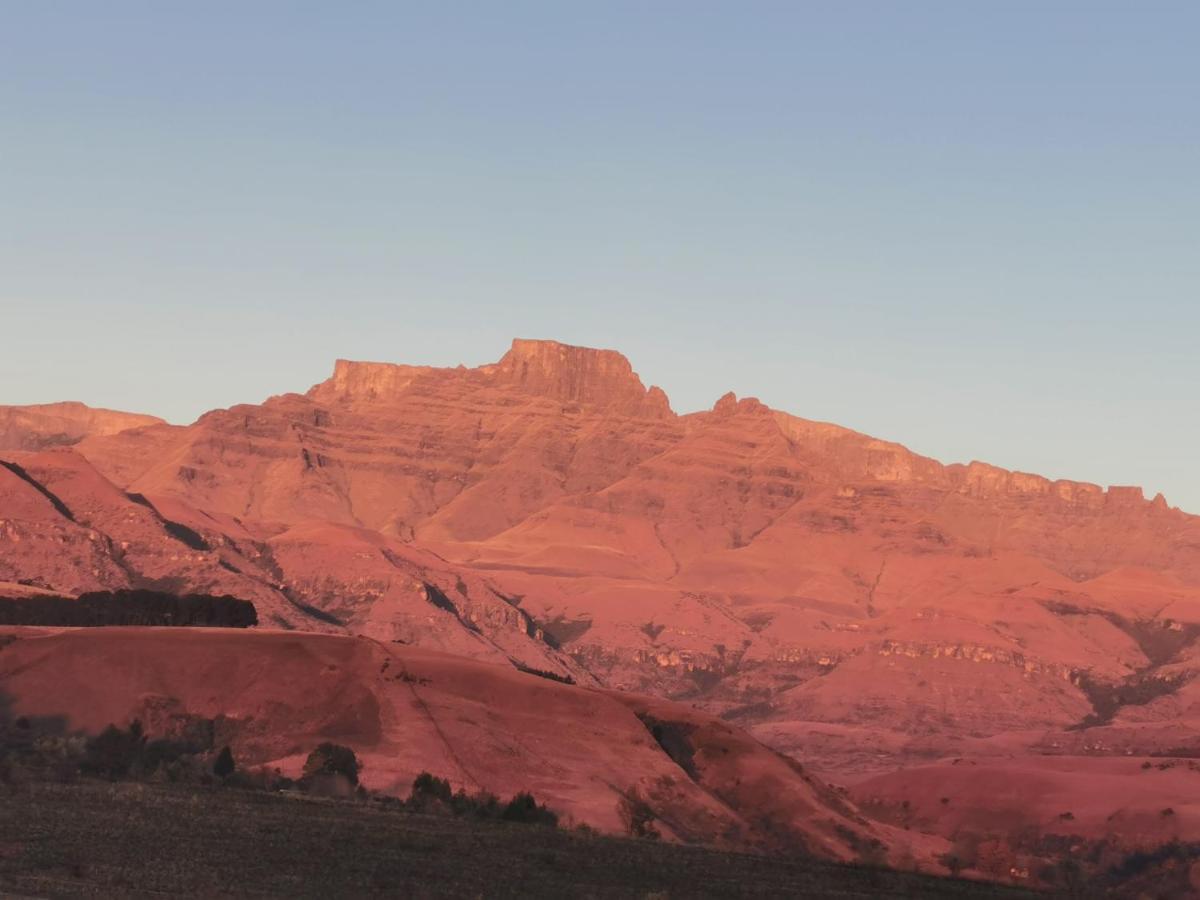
<point x="970" y="230"/>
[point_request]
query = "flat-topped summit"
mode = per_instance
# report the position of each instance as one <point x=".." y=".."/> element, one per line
<point x="352" y="380"/>
<point x="577" y="375"/>
<point x="568" y="374"/>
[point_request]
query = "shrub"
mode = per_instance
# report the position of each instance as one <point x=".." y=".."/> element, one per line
<point x="433" y="794"/>
<point x="224" y="765"/>
<point x="637" y="816"/>
<point x="113" y="752"/>
<point x="430" y="790"/>
<point x="482" y="805"/>
<point x="963" y="854"/>
<point x="332" y="759"/>
<point x="953" y="862"/>
<point x="160" y="753"/>
<point x="524" y="808"/>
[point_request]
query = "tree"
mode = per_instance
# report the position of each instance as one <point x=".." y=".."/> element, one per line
<point x="332" y="759"/>
<point x="524" y="808"/>
<point x="113" y="752"/>
<point x="430" y="793"/>
<point x="430" y="785"/>
<point x="637" y="815"/>
<point x="224" y="765"/>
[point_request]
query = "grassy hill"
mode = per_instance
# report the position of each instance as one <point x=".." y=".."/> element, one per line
<point x="102" y="839"/>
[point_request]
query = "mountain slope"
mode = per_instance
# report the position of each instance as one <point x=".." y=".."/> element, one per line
<point x="846" y="599"/>
<point x="277" y="695"/>
<point x="65" y="529"/>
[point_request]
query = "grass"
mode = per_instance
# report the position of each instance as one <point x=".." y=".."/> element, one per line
<point x="129" y="839"/>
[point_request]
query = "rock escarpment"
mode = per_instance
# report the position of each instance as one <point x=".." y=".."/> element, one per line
<point x="743" y="558"/>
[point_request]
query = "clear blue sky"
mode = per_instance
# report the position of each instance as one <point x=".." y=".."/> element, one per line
<point x="969" y="227"/>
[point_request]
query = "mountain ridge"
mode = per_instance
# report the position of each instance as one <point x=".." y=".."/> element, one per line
<point x="574" y="379"/>
<point x="850" y="603"/>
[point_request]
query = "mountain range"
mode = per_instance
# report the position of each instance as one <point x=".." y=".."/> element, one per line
<point x="920" y="635"/>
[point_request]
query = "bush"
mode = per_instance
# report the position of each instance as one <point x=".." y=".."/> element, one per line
<point x="429" y="790"/>
<point x="963" y="853"/>
<point x="637" y="816"/>
<point x="482" y="805"/>
<point x="524" y="808"/>
<point x="160" y="753"/>
<point x="113" y="752"/>
<point x="332" y="759"/>
<point x="224" y="765"/>
<point x="433" y="794"/>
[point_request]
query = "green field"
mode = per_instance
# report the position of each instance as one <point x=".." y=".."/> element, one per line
<point x="102" y="839"/>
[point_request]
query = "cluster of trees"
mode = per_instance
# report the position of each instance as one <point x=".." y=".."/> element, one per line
<point x="43" y="751"/>
<point x="129" y="607"/>
<point x="543" y="673"/>
<point x="431" y="794"/>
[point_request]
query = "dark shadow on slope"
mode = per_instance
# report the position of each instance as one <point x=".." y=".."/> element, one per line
<point x="675" y="740"/>
<point x="40" y="488"/>
<point x="1160" y="640"/>
<point x="186" y="536"/>
<point x="1109" y="699"/>
<point x="435" y="596"/>
<point x="561" y="631"/>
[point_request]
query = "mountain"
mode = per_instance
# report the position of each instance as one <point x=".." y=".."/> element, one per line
<point x="65" y="529"/>
<point x="62" y="424"/>
<point x="865" y="609"/>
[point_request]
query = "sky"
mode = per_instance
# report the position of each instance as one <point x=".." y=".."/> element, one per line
<point x="969" y="227"/>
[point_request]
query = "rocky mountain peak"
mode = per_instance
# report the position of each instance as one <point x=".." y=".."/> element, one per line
<point x="365" y="381"/>
<point x="599" y="378"/>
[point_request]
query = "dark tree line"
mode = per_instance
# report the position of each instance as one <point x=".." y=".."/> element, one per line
<point x="129" y="607"/>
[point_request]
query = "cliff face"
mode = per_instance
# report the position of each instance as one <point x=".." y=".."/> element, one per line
<point x="572" y="376"/>
<point x="747" y="559"/>
<point x="601" y="379"/>
<point x="365" y="382"/>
